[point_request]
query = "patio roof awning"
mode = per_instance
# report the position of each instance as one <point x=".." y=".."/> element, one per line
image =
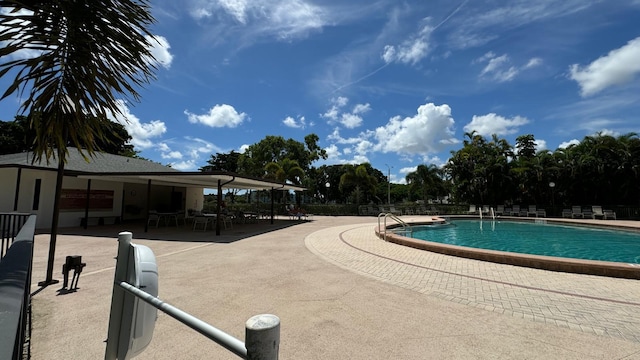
<point x="208" y="180"/>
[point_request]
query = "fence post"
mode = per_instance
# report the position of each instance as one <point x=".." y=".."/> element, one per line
<point x="262" y="337"/>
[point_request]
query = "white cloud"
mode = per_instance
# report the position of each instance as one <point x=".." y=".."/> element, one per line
<point x="533" y="62"/>
<point x="332" y="152"/>
<point x="619" y="66"/>
<point x="540" y="144"/>
<point x="428" y="131"/>
<point x="282" y="19"/>
<point x="410" y="51"/>
<point x="172" y="155"/>
<point x="566" y="144"/>
<point x="218" y="116"/>
<point x="406" y="170"/>
<point x="336" y="105"/>
<point x="500" y="69"/>
<point x="141" y="133"/>
<point x="349" y="120"/>
<point x="186" y="165"/>
<point x="243" y="148"/>
<point x="487" y="125"/>
<point x="300" y="123"/>
<point x="160" y="50"/>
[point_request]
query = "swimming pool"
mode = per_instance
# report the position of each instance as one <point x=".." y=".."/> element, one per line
<point x="537" y="239"/>
<point x="552" y="245"/>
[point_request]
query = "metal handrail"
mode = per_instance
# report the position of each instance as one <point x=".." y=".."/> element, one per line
<point x="393" y="217"/>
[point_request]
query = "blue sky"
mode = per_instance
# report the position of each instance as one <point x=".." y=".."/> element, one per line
<point x="396" y="84"/>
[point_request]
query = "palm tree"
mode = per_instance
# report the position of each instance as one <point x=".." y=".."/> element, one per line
<point x="83" y="56"/>
<point x="285" y="170"/>
<point x="359" y="179"/>
<point x="425" y="177"/>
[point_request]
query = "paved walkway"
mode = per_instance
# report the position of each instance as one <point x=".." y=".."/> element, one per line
<point x="591" y="304"/>
<point x="381" y="301"/>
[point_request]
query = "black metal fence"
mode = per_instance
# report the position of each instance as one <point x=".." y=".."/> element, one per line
<point x="15" y="285"/>
<point x="10" y="225"/>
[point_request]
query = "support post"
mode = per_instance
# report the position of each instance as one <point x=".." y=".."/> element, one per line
<point x="146" y="218"/>
<point x="15" y="199"/>
<point x="262" y="337"/>
<point x="86" y="205"/>
<point x="117" y="298"/>
<point x="218" y="212"/>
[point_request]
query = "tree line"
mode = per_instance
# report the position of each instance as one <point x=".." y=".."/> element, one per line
<point x="600" y="169"/>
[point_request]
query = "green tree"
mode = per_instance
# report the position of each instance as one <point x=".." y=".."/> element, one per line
<point x="86" y="55"/>
<point x="286" y="170"/>
<point x="424" y="178"/>
<point x="275" y="149"/>
<point x="358" y="183"/>
<point x="223" y="162"/>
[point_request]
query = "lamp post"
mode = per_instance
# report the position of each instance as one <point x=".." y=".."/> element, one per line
<point x="327" y="186"/>
<point x="388" y="184"/>
<point x="553" y="205"/>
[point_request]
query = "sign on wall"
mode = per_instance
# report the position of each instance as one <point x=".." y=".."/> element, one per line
<point x="76" y="199"/>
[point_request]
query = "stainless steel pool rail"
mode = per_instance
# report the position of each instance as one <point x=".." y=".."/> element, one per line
<point x="404" y="225"/>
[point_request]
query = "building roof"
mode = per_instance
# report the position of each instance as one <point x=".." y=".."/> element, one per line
<point x="118" y="168"/>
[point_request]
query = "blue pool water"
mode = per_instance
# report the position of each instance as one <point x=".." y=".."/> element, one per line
<point x="538" y="239"/>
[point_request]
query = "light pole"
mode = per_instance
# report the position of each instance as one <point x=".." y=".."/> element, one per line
<point x="389" y="184"/>
<point x="553" y="205"/>
<point x="327" y="186"/>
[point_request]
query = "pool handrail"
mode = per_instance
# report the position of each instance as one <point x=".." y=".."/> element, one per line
<point x="393" y="217"/>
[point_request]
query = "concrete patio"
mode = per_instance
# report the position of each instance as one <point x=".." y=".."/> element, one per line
<point x="340" y="292"/>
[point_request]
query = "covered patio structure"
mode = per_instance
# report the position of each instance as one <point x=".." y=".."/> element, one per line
<point x="218" y="180"/>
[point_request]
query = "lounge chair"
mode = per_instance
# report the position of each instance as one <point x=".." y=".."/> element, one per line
<point x="432" y="211"/>
<point x="408" y="211"/>
<point x="596" y="212"/>
<point x="532" y="211"/>
<point x="541" y="213"/>
<point x="576" y="212"/>
<point x="499" y="210"/>
<point x="472" y="210"/>
<point x="566" y="213"/>
<point x="515" y="210"/>
<point x="609" y="214"/>
<point x="485" y="209"/>
<point x="587" y="213"/>
<point x="393" y="210"/>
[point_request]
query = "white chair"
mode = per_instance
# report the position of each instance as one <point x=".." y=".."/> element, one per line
<point x="154" y="219"/>
<point x="609" y="214"/>
<point x="201" y="221"/>
<point x="596" y="212"/>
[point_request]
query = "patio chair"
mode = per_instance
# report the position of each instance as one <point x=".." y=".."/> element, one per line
<point x="596" y="212"/>
<point x="566" y="213"/>
<point x="393" y="210"/>
<point x="485" y="209"/>
<point x="201" y="221"/>
<point x="154" y="219"/>
<point x="227" y="220"/>
<point x="408" y="211"/>
<point x="532" y="211"/>
<point x="432" y="211"/>
<point x="499" y="210"/>
<point x="472" y="210"/>
<point x="609" y="214"/>
<point x="515" y="210"/>
<point x="587" y="213"/>
<point x="576" y="212"/>
<point x="541" y="213"/>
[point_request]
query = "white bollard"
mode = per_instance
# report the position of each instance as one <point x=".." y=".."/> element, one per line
<point x="262" y="338"/>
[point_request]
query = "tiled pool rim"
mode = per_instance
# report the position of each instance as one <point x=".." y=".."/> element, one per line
<point x="578" y="266"/>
